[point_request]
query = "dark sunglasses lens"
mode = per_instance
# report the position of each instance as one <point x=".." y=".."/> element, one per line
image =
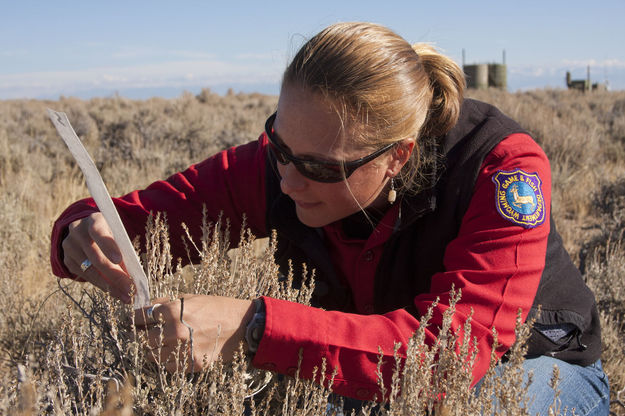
<point x="310" y="169"/>
<point x="320" y="173"/>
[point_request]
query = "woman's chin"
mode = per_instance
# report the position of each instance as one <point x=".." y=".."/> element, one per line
<point x="312" y="217"/>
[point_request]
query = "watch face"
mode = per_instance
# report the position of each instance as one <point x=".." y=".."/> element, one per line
<point x="257" y="333"/>
<point x="256" y="327"/>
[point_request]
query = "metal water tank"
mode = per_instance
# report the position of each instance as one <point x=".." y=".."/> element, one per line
<point x="477" y="76"/>
<point x="497" y="76"/>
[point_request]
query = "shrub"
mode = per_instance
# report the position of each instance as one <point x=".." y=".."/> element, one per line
<point x="57" y="361"/>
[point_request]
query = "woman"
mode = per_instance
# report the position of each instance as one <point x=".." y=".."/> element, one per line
<point x="376" y="172"/>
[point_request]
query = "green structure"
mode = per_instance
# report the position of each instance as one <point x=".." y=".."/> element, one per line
<point x="483" y="76"/>
<point x="584" y="84"/>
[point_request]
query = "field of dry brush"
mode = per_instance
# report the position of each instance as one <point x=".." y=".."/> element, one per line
<point x="65" y="350"/>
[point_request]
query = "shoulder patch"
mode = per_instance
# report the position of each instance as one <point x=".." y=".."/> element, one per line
<point x="519" y="197"/>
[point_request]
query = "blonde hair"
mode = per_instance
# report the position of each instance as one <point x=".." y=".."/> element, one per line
<point x="383" y="87"/>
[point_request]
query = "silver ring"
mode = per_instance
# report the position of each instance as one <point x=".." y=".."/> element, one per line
<point x="85" y="265"/>
<point x="149" y="312"/>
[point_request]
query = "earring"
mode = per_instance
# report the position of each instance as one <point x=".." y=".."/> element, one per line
<point x="392" y="194"/>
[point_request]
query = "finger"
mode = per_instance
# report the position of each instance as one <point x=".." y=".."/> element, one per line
<point x="115" y="281"/>
<point x="177" y="358"/>
<point x="106" y="276"/>
<point x="72" y="246"/>
<point x="168" y="313"/>
<point x="74" y="267"/>
<point x="167" y="332"/>
<point x="147" y="315"/>
<point x="156" y="340"/>
<point x="79" y="246"/>
<point x="121" y="284"/>
<point x="165" y="306"/>
<point x="94" y="234"/>
<point x="101" y="234"/>
<point x="181" y="364"/>
<point x="173" y="359"/>
<point x="91" y="236"/>
<point x="168" y="345"/>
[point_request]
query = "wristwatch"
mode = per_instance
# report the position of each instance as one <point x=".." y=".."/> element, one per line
<point x="256" y="326"/>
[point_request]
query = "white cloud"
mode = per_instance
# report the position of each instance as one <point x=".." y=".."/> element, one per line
<point x="251" y="69"/>
<point x="180" y="74"/>
<point x="565" y="65"/>
<point x="606" y="63"/>
<point x="553" y="75"/>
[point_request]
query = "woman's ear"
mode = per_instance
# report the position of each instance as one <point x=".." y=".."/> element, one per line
<point x="401" y="155"/>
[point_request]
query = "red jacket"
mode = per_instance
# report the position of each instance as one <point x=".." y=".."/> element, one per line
<point x="496" y="262"/>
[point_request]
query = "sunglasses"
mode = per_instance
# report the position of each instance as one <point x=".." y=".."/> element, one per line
<point x="317" y="170"/>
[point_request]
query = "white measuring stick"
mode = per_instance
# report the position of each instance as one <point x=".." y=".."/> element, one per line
<point x="105" y="204"/>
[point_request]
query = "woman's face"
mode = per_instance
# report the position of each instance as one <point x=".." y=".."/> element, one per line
<point x="308" y="127"/>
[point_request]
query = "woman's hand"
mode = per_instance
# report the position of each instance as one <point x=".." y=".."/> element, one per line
<point x="91" y="239"/>
<point x="218" y="328"/>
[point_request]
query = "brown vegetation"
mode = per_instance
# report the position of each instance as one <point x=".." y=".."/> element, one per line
<point x="57" y="361"/>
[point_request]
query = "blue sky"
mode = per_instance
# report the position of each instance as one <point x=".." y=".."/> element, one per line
<point x="157" y="48"/>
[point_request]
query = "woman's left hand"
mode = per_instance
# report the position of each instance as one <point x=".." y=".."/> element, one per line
<point x="218" y="328"/>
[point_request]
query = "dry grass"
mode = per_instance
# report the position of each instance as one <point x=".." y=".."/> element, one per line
<point x="57" y="361"/>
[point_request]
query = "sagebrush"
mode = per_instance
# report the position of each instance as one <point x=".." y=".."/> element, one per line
<point x="69" y="350"/>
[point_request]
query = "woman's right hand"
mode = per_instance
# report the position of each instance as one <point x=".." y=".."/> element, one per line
<point x="90" y="238"/>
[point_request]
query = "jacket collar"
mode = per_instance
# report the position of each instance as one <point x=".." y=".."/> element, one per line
<point x="415" y="206"/>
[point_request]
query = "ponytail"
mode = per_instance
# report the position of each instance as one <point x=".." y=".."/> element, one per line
<point x="447" y="83"/>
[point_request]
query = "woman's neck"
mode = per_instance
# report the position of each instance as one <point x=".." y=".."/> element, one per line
<point x="361" y="224"/>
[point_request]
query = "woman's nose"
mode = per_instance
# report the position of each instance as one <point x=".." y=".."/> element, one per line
<point x="292" y="180"/>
